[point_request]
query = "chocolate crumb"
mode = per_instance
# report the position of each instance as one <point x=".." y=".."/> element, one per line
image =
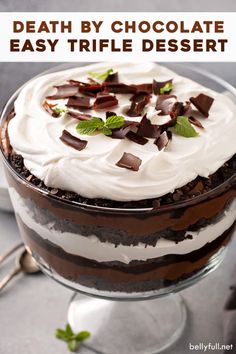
<point x="189" y="237"/>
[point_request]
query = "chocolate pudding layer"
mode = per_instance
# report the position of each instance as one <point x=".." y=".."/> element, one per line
<point x="137" y="276"/>
<point x="123" y="181"/>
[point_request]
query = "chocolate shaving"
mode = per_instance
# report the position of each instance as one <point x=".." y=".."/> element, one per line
<point x="49" y="107"/>
<point x="144" y="88"/>
<point x="112" y="78"/>
<point x="79" y="102"/>
<point x="105" y="101"/>
<point x="177" y="110"/>
<point x="168" y="124"/>
<point x="187" y="108"/>
<point x="78" y="83"/>
<point x="136" y="138"/>
<point x="139" y="101"/>
<point x="64" y="91"/>
<point x="121" y="133"/>
<point x="163" y="140"/>
<point x="196" y="122"/>
<point x="156" y="86"/>
<point x="120" y="88"/>
<point x="129" y="161"/>
<point x="79" y="116"/>
<point x="73" y="141"/>
<point x="203" y="103"/>
<point x="165" y="103"/>
<point x="110" y="114"/>
<point x="147" y="129"/>
<point x="92" y="81"/>
<point x="91" y="90"/>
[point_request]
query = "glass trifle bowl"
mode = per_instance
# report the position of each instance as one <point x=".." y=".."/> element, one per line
<point x="131" y="256"/>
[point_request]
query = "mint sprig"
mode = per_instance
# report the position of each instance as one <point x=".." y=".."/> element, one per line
<point x="95" y="124"/>
<point x="184" y="128"/>
<point x="89" y="127"/>
<point x="72" y="339"/>
<point x="167" y="88"/>
<point x="100" y="76"/>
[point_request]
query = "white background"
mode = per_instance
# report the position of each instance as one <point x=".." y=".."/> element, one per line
<point x="62" y="52"/>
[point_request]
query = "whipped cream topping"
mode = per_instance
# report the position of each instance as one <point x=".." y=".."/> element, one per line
<point x="92" y="248"/>
<point x="92" y="172"/>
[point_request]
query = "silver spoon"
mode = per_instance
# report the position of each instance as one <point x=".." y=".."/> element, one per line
<point x="10" y="252"/>
<point x="25" y="263"/>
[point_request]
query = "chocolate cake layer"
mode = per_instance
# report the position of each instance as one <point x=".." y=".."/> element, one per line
<point x="117" y="276"/>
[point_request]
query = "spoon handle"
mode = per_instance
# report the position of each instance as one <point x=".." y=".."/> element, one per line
<point x="8" y="277"/>
<point x="10" y="252"/>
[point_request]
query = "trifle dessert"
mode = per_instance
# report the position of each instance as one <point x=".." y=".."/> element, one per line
<point x="122" y="176"/>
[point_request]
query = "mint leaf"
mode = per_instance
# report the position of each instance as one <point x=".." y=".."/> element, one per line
<point x="72" y="339"/>
<point x="60" y="110"/>
<point x="101" y="76"/>
<point x="72" y="345"/>
<point x="184" y="128"/>
<point x="88" y="127"/>
<point x="61" y="334"/>
<point x="167" y="88"/>
<point x="81" y="336"/>
<point x="106" y="131"/>
<point x="69" y="331"/>
<point x="114" y="122"/>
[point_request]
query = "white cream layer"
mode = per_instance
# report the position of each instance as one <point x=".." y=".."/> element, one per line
<point x="93" y="172"/>
<point x="91" y="248"/>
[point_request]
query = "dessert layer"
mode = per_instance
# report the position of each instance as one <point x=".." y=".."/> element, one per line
<point x="192" y="189"/>
<point x="137" y="276"/>
<point x="91" y="247"/>
<point x="35" y="135"/>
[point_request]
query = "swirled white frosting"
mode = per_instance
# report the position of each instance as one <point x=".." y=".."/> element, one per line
<point x="92" y="172"/>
